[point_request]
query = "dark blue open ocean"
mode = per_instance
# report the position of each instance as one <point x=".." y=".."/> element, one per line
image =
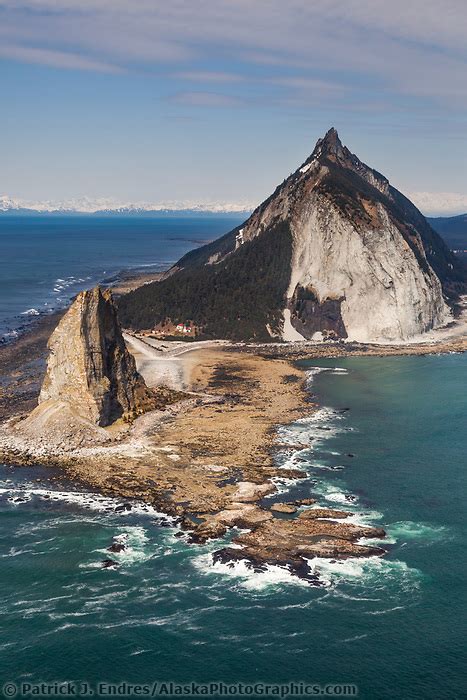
<point x="45" y="260"/>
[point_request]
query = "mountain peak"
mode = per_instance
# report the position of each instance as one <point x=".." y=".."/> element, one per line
<point x="329" y="145"/>
<point x="335" y="251"/>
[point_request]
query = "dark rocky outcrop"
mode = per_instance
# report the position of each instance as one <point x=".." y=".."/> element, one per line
<point x="309" y="315"/>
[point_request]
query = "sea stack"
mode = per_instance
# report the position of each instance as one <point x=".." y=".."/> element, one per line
<point x="91" y="379"/>
<point x="89" y="366"/>
<point x="334" y="252"/>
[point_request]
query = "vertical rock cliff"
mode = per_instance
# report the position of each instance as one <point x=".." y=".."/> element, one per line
<point x="91" y="379"/>
<point x="89" y="366"/>
<point x="356" y="260"/>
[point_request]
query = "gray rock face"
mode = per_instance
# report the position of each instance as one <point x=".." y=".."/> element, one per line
<point x="335" y="251"/>
<point x="89" y="366"/>
<point x="363" y="257"/>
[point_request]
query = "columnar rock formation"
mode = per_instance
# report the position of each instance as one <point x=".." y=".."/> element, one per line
<point x="91" y="379"/>
<point x="89" y="365"/>
<point x="335" y="250"/>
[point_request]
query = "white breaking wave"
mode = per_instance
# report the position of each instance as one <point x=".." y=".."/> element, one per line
<point x="247" y="577"/>
<point x="135" y="542"/>
<point x="84" y="499"/>
<point x="425" y="532"/>
<point x="375" y="572"/>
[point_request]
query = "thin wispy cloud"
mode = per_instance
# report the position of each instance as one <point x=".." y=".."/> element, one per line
<point x="239" y="75"/>
<point x="56" y="59"/>
<point x="208" y="77"/>
<point x="415" y="48"/>
<point x="206" y="99"/>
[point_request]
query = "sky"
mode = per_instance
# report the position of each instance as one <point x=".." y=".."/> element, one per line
<point x="219" y="100"/>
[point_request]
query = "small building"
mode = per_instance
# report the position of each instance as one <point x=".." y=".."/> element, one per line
<point x="184" y="328"/>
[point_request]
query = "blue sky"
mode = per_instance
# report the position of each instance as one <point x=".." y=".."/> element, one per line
<point x="221" y="99"/>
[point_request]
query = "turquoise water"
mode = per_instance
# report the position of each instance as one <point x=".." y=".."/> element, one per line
<point x="392" y="626"/>
<point x="45" y="260"/>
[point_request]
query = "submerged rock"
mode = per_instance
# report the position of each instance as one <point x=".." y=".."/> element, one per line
<point x="116" y="547"/>
<point x="110" y="564"/>
<point x="297" y="567"/>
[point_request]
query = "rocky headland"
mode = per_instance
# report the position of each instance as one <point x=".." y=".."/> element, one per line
<point x="204" y="453"/>
<point x="335" y="260"/>
<point x="334" y="252"/>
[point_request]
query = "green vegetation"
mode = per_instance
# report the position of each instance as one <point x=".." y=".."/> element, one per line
<point x="233" y="299"/>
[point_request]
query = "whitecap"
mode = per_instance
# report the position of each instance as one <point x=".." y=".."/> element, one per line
<point x="377" y="573"/>
<point x="246" y="577"/>
<point x="410" y="530"/>
<point x="340" y="497"/>
<point x="135" y="542"/>
<point x="88" y="501"/>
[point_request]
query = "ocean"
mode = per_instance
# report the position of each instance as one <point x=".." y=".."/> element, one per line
<point x="45" y="260"/>
<point x="388" y="441"/>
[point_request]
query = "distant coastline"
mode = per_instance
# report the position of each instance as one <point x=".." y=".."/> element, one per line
<point x="79" y="251"/>
<point x="146" y="213"/>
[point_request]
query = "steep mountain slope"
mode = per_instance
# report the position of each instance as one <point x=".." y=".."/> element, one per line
<point x="335" y="249"/>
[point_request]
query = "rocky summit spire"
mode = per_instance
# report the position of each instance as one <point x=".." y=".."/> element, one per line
<point x="329" y="145"/>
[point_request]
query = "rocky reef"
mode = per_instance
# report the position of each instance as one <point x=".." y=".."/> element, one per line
<point x="186" y="460"/>
<point x="307" y="531"/>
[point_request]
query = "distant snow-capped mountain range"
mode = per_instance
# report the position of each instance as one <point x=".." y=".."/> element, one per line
<point x="430" y="203"/>
<point x="89" y="205"/>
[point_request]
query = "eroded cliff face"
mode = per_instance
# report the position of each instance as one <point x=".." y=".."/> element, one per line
<point x="359" y="267"/>
<point x="357" y="260"/>
<point x="371" y="272"/>
<point x="91" y="379"/>
<point x="89" y="365"/>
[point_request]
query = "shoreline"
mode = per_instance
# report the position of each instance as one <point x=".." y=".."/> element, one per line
<point x="209" y="458"/>
<point x="23" y="357"/>
<point x="123" y="281"/>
